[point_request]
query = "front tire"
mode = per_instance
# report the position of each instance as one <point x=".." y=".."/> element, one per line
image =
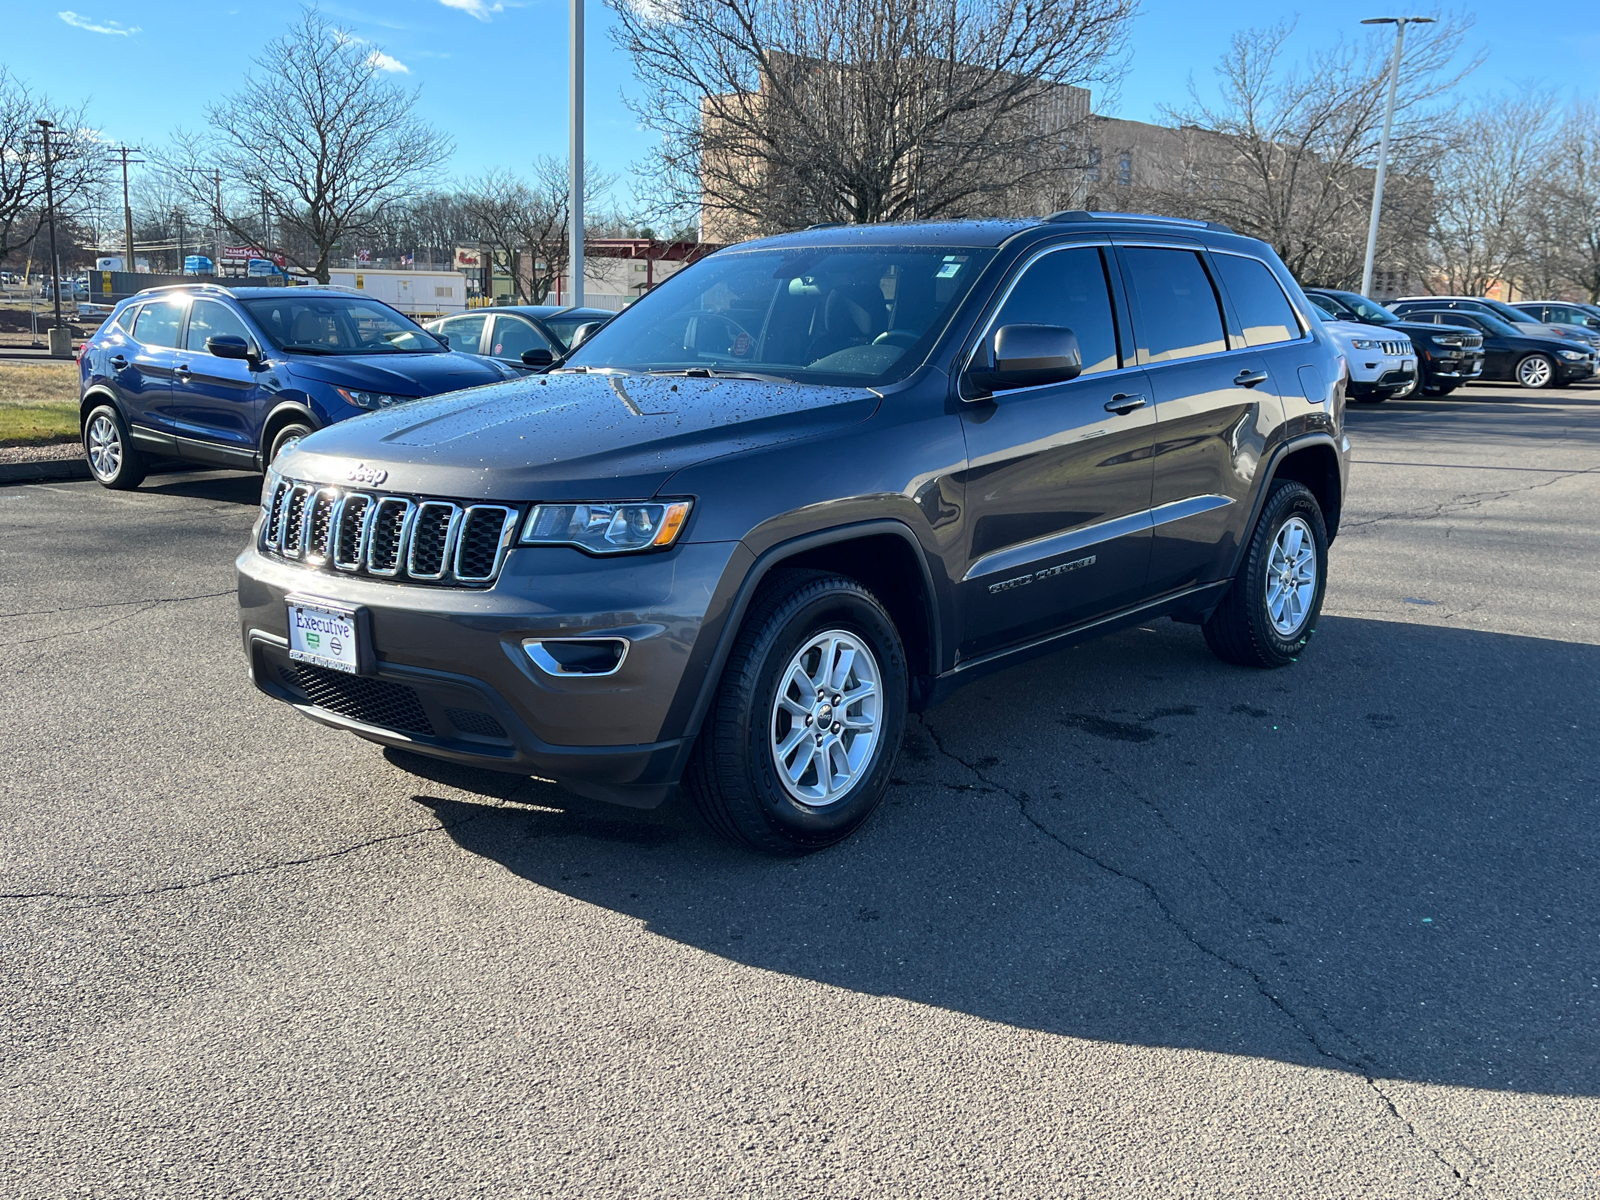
<point x="1271" y="611"/>
<point x="113" y="460"/>
<point x="1537" y="371"/>
<point x="803" y="730"/>
<point x="287" y="437"/>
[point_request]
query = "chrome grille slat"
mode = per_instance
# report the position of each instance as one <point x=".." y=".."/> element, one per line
<point x="433" y="530"/>
<point x="486" y="530"/>
<point x="446" y="543"/>
<point x="391" y="526"/>
<point x="350" y="527"/>
<point x="294" y="515"/>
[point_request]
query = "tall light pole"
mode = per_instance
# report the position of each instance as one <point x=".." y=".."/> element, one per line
<point x="575" y="200"/>
<point x="1399" y="24"/>
<point x="122" y="152"/>
<point x="50" y="208"/>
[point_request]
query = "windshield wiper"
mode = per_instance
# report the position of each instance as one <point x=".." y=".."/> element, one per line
<point x="717" y="373"/>
<point x="308" y="350"/>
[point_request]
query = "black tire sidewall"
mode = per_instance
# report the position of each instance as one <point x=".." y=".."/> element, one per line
<point x="296" y="429"/>
<point x="843" y="607"/>
<point x="1288" y="500"/>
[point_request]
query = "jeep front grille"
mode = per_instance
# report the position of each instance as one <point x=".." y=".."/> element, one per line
<point x="388" y="537"/>
<point x="1398" y="348"/>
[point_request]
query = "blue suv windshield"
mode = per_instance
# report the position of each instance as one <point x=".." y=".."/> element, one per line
<point x="817" y="314"/>
<point x="323" y="324"/>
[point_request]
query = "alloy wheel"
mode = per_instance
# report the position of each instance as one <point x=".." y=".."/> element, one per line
<point x="1534" y="371"/>
<point x="1291" y="577"/>
<point x="104" y="446"/>
<point x="825" y="719"/>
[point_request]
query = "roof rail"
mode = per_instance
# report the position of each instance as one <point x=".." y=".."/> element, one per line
<point x="1078" y="214"/>
<point x="827" y="225"/>
<point x="173" y="287"/>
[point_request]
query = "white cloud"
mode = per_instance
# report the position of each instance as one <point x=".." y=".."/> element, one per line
<point x="476" y="8"/>
<point x="385" y="63"/>
<point x="113" y="27"/>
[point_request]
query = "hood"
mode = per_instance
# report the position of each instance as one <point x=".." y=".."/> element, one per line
<point x="571" y="436"/>
<point x="401" y="374"/>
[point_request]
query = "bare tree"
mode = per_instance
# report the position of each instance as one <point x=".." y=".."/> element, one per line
<point x="320" y="139"/>
<point x="525" y="223"/>
<point x="1484" y="185"/>
<point x="77" y="164"/>
<point x="1576" y="174"/>
<point x="1286" y="151"/>
<point x="779" y="113"/>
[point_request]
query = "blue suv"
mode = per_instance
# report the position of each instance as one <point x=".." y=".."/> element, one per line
<point x="232" y="376"/>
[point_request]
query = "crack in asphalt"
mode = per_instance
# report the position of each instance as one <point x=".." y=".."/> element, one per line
<point x="44" y="612"/>
<point x="1262" y="986"/>
<point x="143" y="606"/>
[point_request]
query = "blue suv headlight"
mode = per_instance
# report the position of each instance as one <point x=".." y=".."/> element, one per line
<point x="371" y="399"/>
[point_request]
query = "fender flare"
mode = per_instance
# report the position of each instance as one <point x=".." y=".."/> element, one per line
<point x="759" y="570"/>
<point x="295" y="407"/>
<point x="95" y="396"/>
<point x="1274" y="461"/>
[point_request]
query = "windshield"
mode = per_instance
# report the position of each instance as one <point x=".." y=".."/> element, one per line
<point x="819" y="314"/>
<point x="1373" y="314"/>
<point x="323" y="324"/>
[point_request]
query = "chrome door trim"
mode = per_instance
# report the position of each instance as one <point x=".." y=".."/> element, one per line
<point x="1027" y="553"/>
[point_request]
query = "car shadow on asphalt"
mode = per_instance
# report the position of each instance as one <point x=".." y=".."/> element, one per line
<point x="232" y="487"/>
<point x="1382" y="860"/>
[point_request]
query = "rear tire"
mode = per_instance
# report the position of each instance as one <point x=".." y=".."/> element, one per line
<point x="1536" y="371"/>
<point x="113" y="461"/>
<point x="1269" y="614"/>
<point x="760" y="774"/>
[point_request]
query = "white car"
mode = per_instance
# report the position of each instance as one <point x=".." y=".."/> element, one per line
<point x="1382" y="363"/>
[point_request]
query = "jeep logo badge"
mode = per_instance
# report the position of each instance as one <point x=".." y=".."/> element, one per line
<point x="361" y="473"/>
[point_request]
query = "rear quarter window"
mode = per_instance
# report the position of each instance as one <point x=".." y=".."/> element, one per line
<point x="1264" y="311"/>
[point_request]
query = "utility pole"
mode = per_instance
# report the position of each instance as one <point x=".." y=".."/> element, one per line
<point x="1399" y="24"/>
<point x="50" y="210"/>
<point x="575" y="201"/>
<point x="127" y="209"/>
<point x="178" y="214"/>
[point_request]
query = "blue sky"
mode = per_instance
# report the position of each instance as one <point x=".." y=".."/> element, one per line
<point x="493" y="73"/>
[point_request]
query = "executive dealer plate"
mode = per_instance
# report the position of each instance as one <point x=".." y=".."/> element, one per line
<point x="324" y="635"/>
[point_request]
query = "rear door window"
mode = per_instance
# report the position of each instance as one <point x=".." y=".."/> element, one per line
<point x="1264" y="311"/>
<point x="1068" y="288"/>
<point x="1181" y="316"/>
<point x="125" y="319"/>
<point x="158" y="323"/>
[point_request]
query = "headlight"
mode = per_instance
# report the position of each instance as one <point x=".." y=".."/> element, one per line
<point x="1448" y="339"/>
<point x="1574" y="355"/>
<point x="1366" y="344"/>
<point x="614" y="528"/>
<point x="269" y="485"/>
<point x="372" y="399"/>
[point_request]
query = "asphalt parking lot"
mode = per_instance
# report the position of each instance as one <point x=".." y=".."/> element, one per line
<point x="1132" y="923"/>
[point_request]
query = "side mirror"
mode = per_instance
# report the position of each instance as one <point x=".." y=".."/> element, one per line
<point x="228" y="345"/>
<point x="538" y="357"/>
<point x="1025" y="356"/>
<point x="584" y="332"/>
<point x="443" y="337"/>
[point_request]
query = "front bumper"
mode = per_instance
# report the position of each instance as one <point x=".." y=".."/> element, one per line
<point x="450" y="677"/>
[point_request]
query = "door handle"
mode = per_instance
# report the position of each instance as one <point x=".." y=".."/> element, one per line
<point x="119" y="362"/>
<point x="1249" y="379"/>
<point x="182" y="371"/>
<point x="1123" y="403"/>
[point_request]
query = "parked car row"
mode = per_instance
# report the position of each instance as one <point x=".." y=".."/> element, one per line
<point x="1457" y="339"/>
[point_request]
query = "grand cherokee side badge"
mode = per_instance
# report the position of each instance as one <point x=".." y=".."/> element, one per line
<point x="371" y="476"/>
<point x="1005" y="585"/>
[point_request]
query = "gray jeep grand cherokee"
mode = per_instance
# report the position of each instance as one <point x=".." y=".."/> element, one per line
<point x="802" y="489"/>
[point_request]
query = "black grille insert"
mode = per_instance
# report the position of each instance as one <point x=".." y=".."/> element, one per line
<point x="479" y="723"/>
<point x="275" y="517"/>
<point x="479" y="551"/>
<point x="388" y="530"/>
<point x="293" y="519"/>
<point x="430" y="540"/>
<point x="370" y="701"/>
<point x="347" y="545"/>
<point x="321" y="516"/>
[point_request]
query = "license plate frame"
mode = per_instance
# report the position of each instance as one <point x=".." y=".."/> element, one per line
<point x="331" y="635"/>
